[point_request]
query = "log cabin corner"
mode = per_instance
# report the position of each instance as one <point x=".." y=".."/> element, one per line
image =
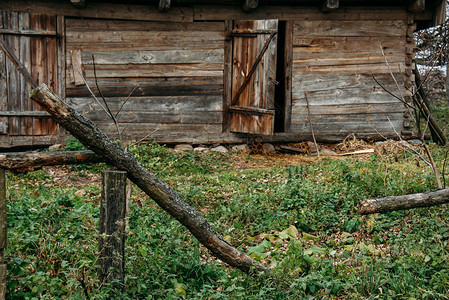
<point x="186" y="71"/>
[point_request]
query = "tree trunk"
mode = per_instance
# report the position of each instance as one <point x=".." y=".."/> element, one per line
<point x="23" y="162"/>
<point x="93" y="138"/>
<point x="381" y="205"/>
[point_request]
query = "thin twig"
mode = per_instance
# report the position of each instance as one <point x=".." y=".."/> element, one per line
<point x="311" y="126"/>
<point x="93" y="94"/>
<point x="108" y="110"/>
<point x="142" y="139"/>
<point x="444" y="168"/>
<point x="386" y="90"/>
<point x="391" y="72"/>
<point x="126" y="100"/>
<point x="431" y="163"/>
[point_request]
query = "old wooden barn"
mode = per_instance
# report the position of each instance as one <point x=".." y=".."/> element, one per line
<point x="213" y="71"/>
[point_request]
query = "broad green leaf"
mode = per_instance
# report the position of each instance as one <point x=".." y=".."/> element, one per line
<point x="290" y="232"/>
<point x="314" y="250"/>
<point x="309" y="237"/>
<point x="261" y="248"/>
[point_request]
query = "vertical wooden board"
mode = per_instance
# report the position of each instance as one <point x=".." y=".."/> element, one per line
<point x="12" y="22"/>
<point x="288" y="62"/>
<point x="3" y="85"/>
<point x="52" y="67"/>
<point x="227" y="77"/>
<point x="244" y="55"/>
<point x="60" y="30"/>
<point x="39" y="65"/>
<point x="269" y="67"/>
<point x="25" y="59"/>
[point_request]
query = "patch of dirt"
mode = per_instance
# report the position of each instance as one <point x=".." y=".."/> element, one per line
<point x="66" y="176"/>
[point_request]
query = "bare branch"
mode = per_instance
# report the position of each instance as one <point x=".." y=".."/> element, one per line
<point x="126" y="100"/>
<point x="311" y="127"/>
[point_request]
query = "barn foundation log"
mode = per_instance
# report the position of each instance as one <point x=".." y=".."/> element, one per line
<point x="93" y="138"/>
<point x="23" y="162"/>
<point x="386" y="204"/>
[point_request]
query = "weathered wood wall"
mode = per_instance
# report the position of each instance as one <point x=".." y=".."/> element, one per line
<point x="334" y="61"/>
<point x="174" y="69"/>
<point x="173" y="72"/>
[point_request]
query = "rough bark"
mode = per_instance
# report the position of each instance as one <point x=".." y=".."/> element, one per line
<point x="111" y="243"/>
<point x="167" y="198"/>
<point x="23" y="162"/>
<point x="381" y="205"/>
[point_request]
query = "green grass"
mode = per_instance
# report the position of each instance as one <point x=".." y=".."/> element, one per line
<point x="300" y="220"/>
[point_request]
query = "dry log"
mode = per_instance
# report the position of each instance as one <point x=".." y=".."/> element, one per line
<point x="167" y="198"/>
<point x="381" y="205"/>
<point x="23" y="162"/>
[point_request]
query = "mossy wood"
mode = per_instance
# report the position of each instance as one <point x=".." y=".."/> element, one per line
<point x="167" y="198"/>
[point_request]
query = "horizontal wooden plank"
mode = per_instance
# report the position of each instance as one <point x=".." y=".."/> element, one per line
<point x="332" y="81"/>
<point x="95" y="25"/>
<point x="164" y="86"/>
<point x="27" y="32"/>
<point x="227" y="12"/>
<point x="139" y="45"/>
<point x="342" y="59"/>
<point x="363" y="119"/>
<point x="318" y="44"/>
<point x="363" y="28"/>
<point x="301" y="110"/>
<point x="160" y="129"/>
<point x="149" y="40"/>
<point x="156" y="104"/>
<point x="20" y="141"/>
<point x="24" y="114"/>
<point x="159" y="117"/>
<point x="376" y="69"/>
<point x="155" y="70"/>
<point x="342" y="96"/>
<point x="144" y="12"/>
<point x="346" y="128"/>
<point x="154" y="57"/>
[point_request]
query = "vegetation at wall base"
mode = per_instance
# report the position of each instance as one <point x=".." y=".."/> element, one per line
<point x="296" y="217"/>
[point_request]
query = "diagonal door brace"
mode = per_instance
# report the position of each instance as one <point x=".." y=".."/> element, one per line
<point x="253" y="68"/>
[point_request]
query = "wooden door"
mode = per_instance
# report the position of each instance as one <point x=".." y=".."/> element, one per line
<point x="253" y="76"/>
<point x="33" y="40"/>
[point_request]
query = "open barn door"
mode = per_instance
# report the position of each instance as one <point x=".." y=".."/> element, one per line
<point x="253" y="76"/>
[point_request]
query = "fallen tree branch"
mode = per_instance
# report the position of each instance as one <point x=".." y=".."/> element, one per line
<point x="167" y="198"/>
<point x="23" y="162"/>
<point x="393" y="203"/>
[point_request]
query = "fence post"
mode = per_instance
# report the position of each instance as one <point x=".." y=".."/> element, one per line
<point x="3" y="228"/>
<point x="112" y="227"/>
